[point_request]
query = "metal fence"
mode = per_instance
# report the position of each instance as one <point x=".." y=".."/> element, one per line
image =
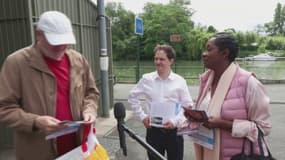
<point x="266" y="72"/>
<point x="127" y="74"/>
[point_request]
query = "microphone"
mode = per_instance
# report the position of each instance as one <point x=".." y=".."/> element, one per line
<point x="120" y="114"/>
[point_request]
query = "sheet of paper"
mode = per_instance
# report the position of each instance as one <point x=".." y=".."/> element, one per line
<point x="161" y="112"/>
<point x="72" y="122"/>
<point x="72" y="126"/>
<point x="186" y="128"/>
<point x="204" y="137"/>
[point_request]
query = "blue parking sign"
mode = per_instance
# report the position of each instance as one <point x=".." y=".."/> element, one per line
<point x="138" y="26"/>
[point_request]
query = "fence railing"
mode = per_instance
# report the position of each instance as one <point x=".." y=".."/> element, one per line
<point x="266" y="74"/>
<point x="127" y="74"/>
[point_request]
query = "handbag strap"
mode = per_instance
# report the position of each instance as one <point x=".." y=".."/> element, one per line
<point x="251" y="148"/>
<point x="260" y="138"/>
<point x="243" y="145"/>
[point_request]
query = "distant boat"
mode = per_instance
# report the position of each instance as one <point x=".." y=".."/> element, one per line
<point x="261" y="57"/>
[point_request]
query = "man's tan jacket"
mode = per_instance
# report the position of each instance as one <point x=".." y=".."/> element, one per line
<point x="28" y="89"/>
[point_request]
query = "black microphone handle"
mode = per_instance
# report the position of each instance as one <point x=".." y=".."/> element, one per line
<point x="143" y="143"/>
<point x="122" y="138"/>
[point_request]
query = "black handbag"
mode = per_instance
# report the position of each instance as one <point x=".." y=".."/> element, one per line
<point x="252" y="155"/>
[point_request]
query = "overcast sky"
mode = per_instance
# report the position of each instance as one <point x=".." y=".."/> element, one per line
<point x="242" y="15"/>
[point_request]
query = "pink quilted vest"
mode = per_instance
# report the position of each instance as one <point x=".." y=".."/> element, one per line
<point x="234" y="107"/>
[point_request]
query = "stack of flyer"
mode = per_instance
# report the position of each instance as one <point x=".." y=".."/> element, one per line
<point x="200" y="134"/>
<point x="72" y="126"/>
<point x="163" y="111"/>
<point x="187" y="128"/>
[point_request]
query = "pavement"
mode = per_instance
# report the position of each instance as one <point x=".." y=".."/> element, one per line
<point x="108" y="136"/>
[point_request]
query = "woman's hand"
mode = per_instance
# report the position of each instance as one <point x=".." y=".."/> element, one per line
<point x="187" y="114"/>
<point x="195" y="115"/>
<point x="216" y="122"/>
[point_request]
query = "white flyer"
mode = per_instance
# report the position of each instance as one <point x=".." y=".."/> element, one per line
<point x="204" y="137"/>
<point x="162" y="111"/>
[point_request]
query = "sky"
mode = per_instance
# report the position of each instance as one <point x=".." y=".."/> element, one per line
<point x="242" y="15"/>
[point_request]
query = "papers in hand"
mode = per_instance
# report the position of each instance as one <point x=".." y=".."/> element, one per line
<point x="68" y="123"/>
<point x="204" y="137"/>
<point x="187" y="128"/>
<point x="195" y="115"/>
<point x="72" y="126"/>
<point x="161" y="112"/>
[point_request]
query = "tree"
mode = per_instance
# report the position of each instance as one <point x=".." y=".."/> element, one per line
<point x="123" y="37"/>
<point x="269" y="28"/>
<point x="275" y="43"/>
<point x="212" y="29"/>
<point x="161" y="21"/>
<point x="259" y="29"/>
<point x="196" y="41"/>
<point x="277" y="19"/>
<point x="277" y="27"/>
<point x="282" y="19"/>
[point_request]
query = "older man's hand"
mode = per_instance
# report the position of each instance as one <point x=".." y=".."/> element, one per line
<point x="89" y="117"/>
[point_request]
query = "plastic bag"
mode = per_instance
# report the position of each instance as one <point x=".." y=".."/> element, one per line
<point x="90" y="149"/>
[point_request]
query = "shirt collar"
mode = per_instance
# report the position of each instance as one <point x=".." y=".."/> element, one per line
<point x="170" y="77"/>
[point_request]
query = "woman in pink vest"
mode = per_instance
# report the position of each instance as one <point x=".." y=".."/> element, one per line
<point x="234" y="100"/>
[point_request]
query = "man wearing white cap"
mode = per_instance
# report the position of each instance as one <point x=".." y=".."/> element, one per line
<point x="44" y="84"/>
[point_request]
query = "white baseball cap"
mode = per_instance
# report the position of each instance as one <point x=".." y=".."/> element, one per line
<point x="57" y="28"/>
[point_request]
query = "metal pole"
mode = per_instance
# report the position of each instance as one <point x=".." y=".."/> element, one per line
<point x="104" y="59"/>
<point x="141" y="141"/>
<point x="138" y="59"/>
<point x="32" y="24"/>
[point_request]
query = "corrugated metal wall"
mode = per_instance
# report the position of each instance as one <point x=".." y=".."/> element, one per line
<point x="15" y="29"/>
<point x="18" y="17"/>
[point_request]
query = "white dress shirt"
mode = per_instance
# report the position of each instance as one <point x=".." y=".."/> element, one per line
<point x="152" y="88"/>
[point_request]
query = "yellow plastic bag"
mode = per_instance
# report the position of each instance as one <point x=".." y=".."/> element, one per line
<point x="90" y="149"/>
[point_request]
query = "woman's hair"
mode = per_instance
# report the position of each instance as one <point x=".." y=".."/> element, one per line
<point x="170" y="52"/>
<point x="225" y="40"/>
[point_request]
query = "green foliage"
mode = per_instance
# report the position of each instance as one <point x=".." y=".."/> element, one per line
<point x="248" y="41"/>
<point x="277" y="26"/>
<point x="275" y="43"/>
<point x="195" y="43"/>
<point x="262" y="48"/>
<point x="211" y="29"/>
<point x="163" y="20"/>
<point x="123" y="37"/>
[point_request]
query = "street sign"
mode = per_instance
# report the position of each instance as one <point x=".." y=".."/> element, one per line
<point x="138" y="26"/>
<point x="175" y="38"/>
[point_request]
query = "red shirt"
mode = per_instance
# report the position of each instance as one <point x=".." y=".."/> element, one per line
<point x="60" y="69"/>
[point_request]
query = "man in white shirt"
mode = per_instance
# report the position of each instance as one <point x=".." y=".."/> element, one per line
<point x="160" y="87"/>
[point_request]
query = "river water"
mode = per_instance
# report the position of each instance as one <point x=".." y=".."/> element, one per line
<point x="265" y="69"/>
